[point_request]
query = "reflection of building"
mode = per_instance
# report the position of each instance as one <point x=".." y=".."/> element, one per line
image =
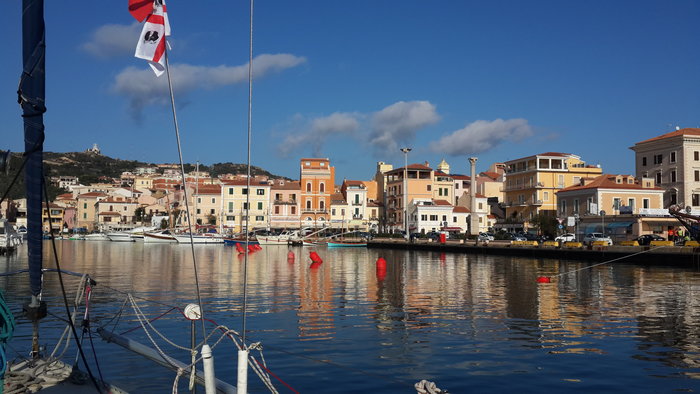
<point x="673" y="161"/>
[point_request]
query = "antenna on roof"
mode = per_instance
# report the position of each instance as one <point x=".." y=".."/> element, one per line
<point x="678" y="128"/>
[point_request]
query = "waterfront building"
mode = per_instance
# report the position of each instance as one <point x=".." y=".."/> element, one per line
<point x="87" y="205"/>
<point x="532" y="183"/>
<point x="207" y="204"/>
<point x="116" y="213"/>
<point x="235" y="198"/>
<point x="317" y="179"/>
<point x="419" y="186"/>
<point x="144" y="182"/>
<point x="340" y="212"/>
<point x="426" y="215"/>
<point x="483" y="211"/>
<point x="355" y="194"/>
<point x="673" y="161"/>
<point x="52" y="218"/>
<point x="621" y="205"/>
<point x="381" y="178"/>
<point x="285" y="204"/>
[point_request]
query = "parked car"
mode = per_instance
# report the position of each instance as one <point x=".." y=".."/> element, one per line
<point x="568" y="237"/>
<point x="513" y="237"/>
<point x="647" y="238"/>
<point x="534" y="237"/>
<point x="485" y="237"/>
<point x="593" y="237"/>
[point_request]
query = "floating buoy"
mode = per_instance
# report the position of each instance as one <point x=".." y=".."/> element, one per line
<point x="543" y="279"/>
<point x="381" y="263"/>
<point x="315" y="257"/>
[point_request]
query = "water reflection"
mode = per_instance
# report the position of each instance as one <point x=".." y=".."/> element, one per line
<point x="426" y="315"/>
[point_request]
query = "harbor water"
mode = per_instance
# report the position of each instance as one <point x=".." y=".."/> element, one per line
<point x="469" y="323"/>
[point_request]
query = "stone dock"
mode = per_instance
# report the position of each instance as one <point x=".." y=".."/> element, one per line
<point x="687" y="256"/>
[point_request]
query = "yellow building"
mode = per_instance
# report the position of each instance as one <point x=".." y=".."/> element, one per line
<point x="419" y="185"/>
<point x="235" y="199"/>
<point x="532" y="182"/>
<point x="87" y="209"/>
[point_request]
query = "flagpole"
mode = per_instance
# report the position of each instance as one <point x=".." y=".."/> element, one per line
<point x="242" y="376"/>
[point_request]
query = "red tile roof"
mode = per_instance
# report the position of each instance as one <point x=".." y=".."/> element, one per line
<point x="675" y="133"/>
<point x="441" y="202"/>
<point x="460" y="209"/>
<point x="92" y="194"/>
<point x="607" y="181"/>
<point x="289" y="185"/>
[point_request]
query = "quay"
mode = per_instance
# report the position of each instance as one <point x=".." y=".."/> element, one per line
<point x="685" y="256"/>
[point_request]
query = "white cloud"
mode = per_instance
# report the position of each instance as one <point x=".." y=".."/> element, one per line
<point x="481" y="136"/>
<point x="399" y="122"/>
<point x="318" y="130"/>
<point x="142" y="87"/>
<point x="113" y="40"/>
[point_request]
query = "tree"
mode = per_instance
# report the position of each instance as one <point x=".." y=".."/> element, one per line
<point x="545" y="224"/>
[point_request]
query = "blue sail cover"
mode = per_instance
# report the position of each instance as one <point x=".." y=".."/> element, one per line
<point x="31" y="97"/>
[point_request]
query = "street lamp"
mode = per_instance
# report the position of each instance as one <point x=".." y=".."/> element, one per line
<point x="405" y="190"/>
<point x="602" y="218"/>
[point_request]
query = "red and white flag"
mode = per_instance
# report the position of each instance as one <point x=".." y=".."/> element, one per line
<point x="151" y="45"/>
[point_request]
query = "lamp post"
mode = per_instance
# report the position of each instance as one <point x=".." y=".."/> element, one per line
<point x="405" y="191"/>
<point x="602" y="218"/>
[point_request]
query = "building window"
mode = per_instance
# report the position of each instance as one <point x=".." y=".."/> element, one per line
<point x="260" y="206"/>
<point x="199" y="211"/>
<point x="672" y="158"/>
<point x="658" y="159"/>
<point x="617" y="203"/>
<point x="277" y="210"/>
<point x="562" y="207"/>
<point x="658" y="178"/>
<point x="696" y="200"/>
<point x="199" y="200"/>
<point x="261" y="192"/>
<point x="342" y="212"/>
<point x="546" y="196"/>
<point x="630" y="204"/>
<point x="230" y="190"/>
<point x="322" y="187"/>
<point x="308" y="187"/>
<point x="245" y="190"/>
<point x="294" y="210"/>
<point x="454" y="219"/>
<point x="230" y="207"/>
<point x="213" y="200"/>
<point x="644" y="160"/>
<point x="245" y="205"/>
<point x="673" y="176"/>
<point x="576" y="205"/>
<point x="322" y="205"/>
<point x="212" y="212"/>
<point x="308" y="204"/>
<point x="230" y="218"/>
<point x="423" y="217"/>
<point x="697" y="155"/>
<point x="481" y="205"/>
<point x="333" y="211"/>
<point x="645" y="203"/>
<point x="697" y="176"/>
<point x="434" y="218"/>
<point x="260" y="218"/>
<point x="428" y="187"/>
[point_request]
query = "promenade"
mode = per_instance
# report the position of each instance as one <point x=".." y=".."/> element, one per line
<point x="645" y="255"/>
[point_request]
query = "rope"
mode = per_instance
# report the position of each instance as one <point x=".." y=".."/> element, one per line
<point x="609" y="261"/>
<point x="426" y="387"/>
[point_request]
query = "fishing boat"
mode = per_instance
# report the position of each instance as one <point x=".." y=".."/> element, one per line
<point x="206" y="238"/>
<point x="97" y="237"/>
<point x="284" y="238"/>
<point x="347" y="244"/>
<point x="119" y="236"/>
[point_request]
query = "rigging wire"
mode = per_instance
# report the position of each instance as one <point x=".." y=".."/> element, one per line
<point x="63" y="291"/>
<point x="247" y="216"/>
<point x="184" y="185"/>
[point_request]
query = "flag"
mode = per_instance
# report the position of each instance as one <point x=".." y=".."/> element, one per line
<point x="151" y="45"/>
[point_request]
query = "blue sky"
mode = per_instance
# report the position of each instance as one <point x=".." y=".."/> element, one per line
<point x="355" y="81"/>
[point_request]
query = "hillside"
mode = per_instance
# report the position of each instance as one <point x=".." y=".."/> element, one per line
<point x="88" y="167"/>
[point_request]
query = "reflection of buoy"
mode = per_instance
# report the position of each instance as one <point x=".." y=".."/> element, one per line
<point x="239" y="248"/>
<point x="290" y="256"/>
<point x="315" y="265"/>
<point x="257" y="246"/>
<point x="251" y="248"/>
<point x="315" y="257"/>
<point x="543" y="279"/>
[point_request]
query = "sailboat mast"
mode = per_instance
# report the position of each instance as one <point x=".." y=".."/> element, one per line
<point x="31" y="97"/>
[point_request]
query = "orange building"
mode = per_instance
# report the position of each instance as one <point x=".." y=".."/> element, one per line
<point x="317" y="179"/>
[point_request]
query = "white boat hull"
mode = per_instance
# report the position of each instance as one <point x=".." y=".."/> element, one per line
<point x="120" y="237"/>
<point x="158" y="238"/>
<point x="199" y="239"/>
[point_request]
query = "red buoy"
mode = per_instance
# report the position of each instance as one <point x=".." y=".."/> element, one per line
<point x="257" y="246"/>
<point x="315" y="265"/>
<point x="251" y="248"/>
<point x="315" y="257"/>
<point x="290" y="256"/>
<point x="543" y="279"/>
<point x="381" y="263"/>
<point x="239" y="248"/>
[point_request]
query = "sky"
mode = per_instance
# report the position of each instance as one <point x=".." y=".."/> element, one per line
<point x="356" y="81"/>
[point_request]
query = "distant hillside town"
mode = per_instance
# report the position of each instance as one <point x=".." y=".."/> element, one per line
<point x="547" y="193"/>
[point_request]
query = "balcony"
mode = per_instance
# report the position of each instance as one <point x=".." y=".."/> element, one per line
<point x="357" y="203"/>
<point x="537" y="202"/>
<point x="357" y="217"/>
<point x="285" y="202"/>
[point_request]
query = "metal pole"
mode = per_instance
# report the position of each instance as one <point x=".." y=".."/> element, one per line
<point x="405" y="191"/>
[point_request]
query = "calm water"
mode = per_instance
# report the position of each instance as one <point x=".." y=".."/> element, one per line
<point x="469" y="323"/>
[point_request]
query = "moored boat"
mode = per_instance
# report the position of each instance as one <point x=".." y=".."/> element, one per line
<point x="199" y="238"/>
<point x="347" y="244"/>
<point x="120" y="237"/>
<point x="159" y="237"/>
<point x="96" y="237"/>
